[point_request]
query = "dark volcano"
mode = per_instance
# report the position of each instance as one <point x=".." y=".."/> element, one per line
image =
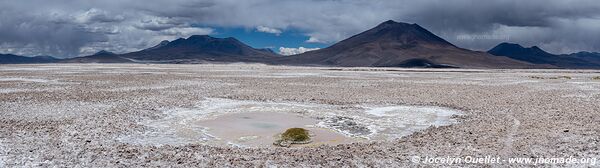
<point x="393" y="44"/>
<point x="200" y="48"/>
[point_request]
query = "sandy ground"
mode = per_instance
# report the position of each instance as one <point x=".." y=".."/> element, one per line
<point x="79" y="114"/>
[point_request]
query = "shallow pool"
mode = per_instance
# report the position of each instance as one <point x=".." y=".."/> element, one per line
<point x="226" y="122"/>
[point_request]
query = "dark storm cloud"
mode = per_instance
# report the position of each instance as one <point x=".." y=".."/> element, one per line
<point x="557" y="26"/>
<point x="35" y="35"/>
<point x="68" y="28"/>
<point x="473" y="15"/>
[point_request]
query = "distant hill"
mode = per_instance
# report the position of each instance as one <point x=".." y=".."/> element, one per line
<point x="394" y="44"/>
<point x="16" y="59"/>
<point x="592" y="57"/>
<point x="268" y="50"/>
<point x="536" y="55"/>
<point x="200" y="48"/>
<point x="99" y="57"/>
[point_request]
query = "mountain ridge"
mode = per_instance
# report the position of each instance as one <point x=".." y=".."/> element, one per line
<point x="101" y="56"/>
<point x="394" y="44"/>
<point x="537" y="55"/>
<point x="201" y="48"/>
<point x="18" y="59"/>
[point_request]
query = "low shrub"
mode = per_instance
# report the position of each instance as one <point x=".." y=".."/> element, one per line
<point x="554" y="77"/>
<point x="295" y="134"/>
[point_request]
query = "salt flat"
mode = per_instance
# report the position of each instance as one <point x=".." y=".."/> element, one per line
<point x="165" y="115"/>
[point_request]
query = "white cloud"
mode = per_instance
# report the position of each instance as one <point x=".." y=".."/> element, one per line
<point x="294" y="51"/>
<point x="94" y="15"/>
<point x="265" y="29"/>
<point x="314" y="40"/>
<point x="186" y="31"/>
<point x="158" y="23"/>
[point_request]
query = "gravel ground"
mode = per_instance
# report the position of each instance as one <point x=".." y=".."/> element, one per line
<point x="69" y="115"/>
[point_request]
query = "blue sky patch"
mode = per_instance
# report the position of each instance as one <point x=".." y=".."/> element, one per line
<point x="288" y="38"/>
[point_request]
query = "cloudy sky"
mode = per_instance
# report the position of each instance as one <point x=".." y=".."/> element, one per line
<point x="67" y="28"/>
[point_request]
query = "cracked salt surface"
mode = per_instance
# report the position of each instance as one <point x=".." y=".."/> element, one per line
<point x="51" y="110"/>
<point x="11" y="90"/>
<point x="226" y="122"/>
<point x="24" y="80"/>
<point x="398" y="121"/>
<point x="3" y="154"/>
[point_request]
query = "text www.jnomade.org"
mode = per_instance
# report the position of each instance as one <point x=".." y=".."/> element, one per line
<point x="498" y="160"/>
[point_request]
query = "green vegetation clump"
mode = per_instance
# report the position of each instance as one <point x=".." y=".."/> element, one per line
<point x="295" y="134"/>
<point x="561" y="77"/>
<point x="555" y="77"/>
<point x="596" y="78"/>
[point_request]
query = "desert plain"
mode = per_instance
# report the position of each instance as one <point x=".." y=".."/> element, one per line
<point x="226" y="115"/>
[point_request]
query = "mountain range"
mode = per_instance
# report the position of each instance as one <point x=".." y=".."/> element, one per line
<point x="389" y="44"/>
<point x="536" y="55"/>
